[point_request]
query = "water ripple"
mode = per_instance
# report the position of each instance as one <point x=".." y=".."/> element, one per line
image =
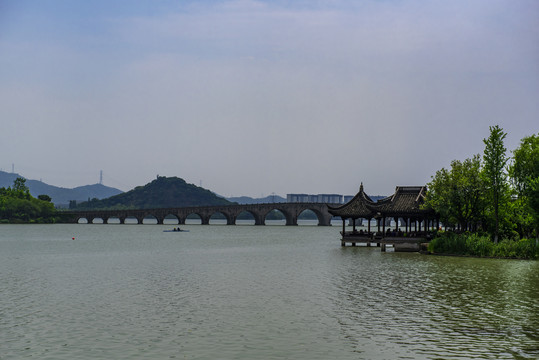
<point x="127" y="292"/>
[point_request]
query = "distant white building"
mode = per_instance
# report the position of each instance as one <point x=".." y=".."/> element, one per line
<point x="347" y="198"/>
<point x="320" y="198"/>
<point x="330" y="198"/>
<point x="297" y="198"/>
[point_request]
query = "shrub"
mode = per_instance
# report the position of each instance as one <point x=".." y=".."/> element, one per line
<point x="481" y="245"/>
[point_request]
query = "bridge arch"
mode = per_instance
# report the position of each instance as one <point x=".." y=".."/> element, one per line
<point x="247" y="217"/>
<point x="275" y="214"/>
<point x="132" y="219"/>
<point x="114" y="220"/>
<point x="308" y="216"/>
<point x="193" y="218"/>
<point x="150" y="219"/>
<point x="172" y="219"/>
<point x="217" y="217"/>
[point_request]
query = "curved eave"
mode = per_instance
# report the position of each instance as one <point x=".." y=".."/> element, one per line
<point x="355" y="208"/>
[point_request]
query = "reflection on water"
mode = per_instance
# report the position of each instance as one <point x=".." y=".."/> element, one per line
<point x="439" y="307"/>
<point x="253" y="292"/>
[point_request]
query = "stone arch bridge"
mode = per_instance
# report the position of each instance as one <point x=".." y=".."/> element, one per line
<point x="291" y="211"/>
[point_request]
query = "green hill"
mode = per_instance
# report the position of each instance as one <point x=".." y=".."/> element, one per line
<point x="163" y="192"/>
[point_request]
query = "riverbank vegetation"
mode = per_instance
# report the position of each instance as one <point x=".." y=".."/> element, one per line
<point x="490" y="204"/>
<point x="18" y="206"/>
<point x="481" y="245"/>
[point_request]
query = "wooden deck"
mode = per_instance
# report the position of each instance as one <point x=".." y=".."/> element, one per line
<point x="398" y="243"/>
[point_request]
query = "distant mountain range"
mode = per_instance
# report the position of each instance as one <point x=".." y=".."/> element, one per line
<point x="162" y="192"/>
<point x="61" y="196"/>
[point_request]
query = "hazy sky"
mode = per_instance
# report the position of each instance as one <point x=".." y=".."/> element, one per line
<point x="256" y="97"/>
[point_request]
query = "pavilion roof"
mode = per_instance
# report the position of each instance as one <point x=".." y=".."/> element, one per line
<point x="356" y="208"/>
<point x="406" y="200"/>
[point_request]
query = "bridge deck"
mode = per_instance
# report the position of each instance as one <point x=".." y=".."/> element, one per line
<point x="291" y="212"/>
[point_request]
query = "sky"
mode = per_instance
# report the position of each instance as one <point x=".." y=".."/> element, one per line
<point x="253" y="98"/>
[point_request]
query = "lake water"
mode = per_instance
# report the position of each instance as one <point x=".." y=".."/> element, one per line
<point x="253" y="292"/>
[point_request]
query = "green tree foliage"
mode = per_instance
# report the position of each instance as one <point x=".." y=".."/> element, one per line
<point x="479" y="193"/>
<point x="495" y="161"/>
<point x="525" y="166"/>
<point x="524" y="174"/>
<point x="44" y="198"/>
<point x="17" y="205"/>
<point x="533" y="201"/>
<point x="456" y="194"/>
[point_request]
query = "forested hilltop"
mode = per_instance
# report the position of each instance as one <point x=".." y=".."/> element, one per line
<point x="17" y="205"/>
<point x="163" y="192"/>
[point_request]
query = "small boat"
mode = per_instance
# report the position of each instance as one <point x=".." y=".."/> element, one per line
<point x="175" y="230"/>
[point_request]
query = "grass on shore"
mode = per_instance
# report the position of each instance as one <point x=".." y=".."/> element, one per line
<point x="482" y="246"/>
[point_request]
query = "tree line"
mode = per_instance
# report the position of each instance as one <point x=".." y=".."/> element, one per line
<point x="18" y="205"/>
<point x="493" y="194"/>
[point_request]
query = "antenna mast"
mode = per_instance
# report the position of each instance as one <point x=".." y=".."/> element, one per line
<point x="101" y="177"/>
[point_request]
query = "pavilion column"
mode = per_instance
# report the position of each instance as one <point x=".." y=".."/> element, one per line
<point x="354" y="224"/>
<point x="343" y="243"/>
<point x="384" y="225"/>
<point x="369" y="226"/>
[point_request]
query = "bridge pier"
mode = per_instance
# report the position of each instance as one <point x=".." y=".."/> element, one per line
<point x="324" y="220"/>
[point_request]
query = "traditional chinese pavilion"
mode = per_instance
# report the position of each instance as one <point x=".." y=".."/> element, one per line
<point x="404" y="205"/>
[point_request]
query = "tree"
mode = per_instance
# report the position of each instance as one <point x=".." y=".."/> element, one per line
<point x="17" y="205"/>
<point x="533" y="200"/>
<point x="495" y="161"/>
<point x="525" y="166"/>
<point x="20" y="188"/>
<point x="524" y="174"/>
<point x="457" y="194"/>
<point x="46" y="198"/>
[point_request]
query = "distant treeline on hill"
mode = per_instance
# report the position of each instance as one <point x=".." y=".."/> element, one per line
<point x="163" y="192"/>
<point x="17" y="205"/>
